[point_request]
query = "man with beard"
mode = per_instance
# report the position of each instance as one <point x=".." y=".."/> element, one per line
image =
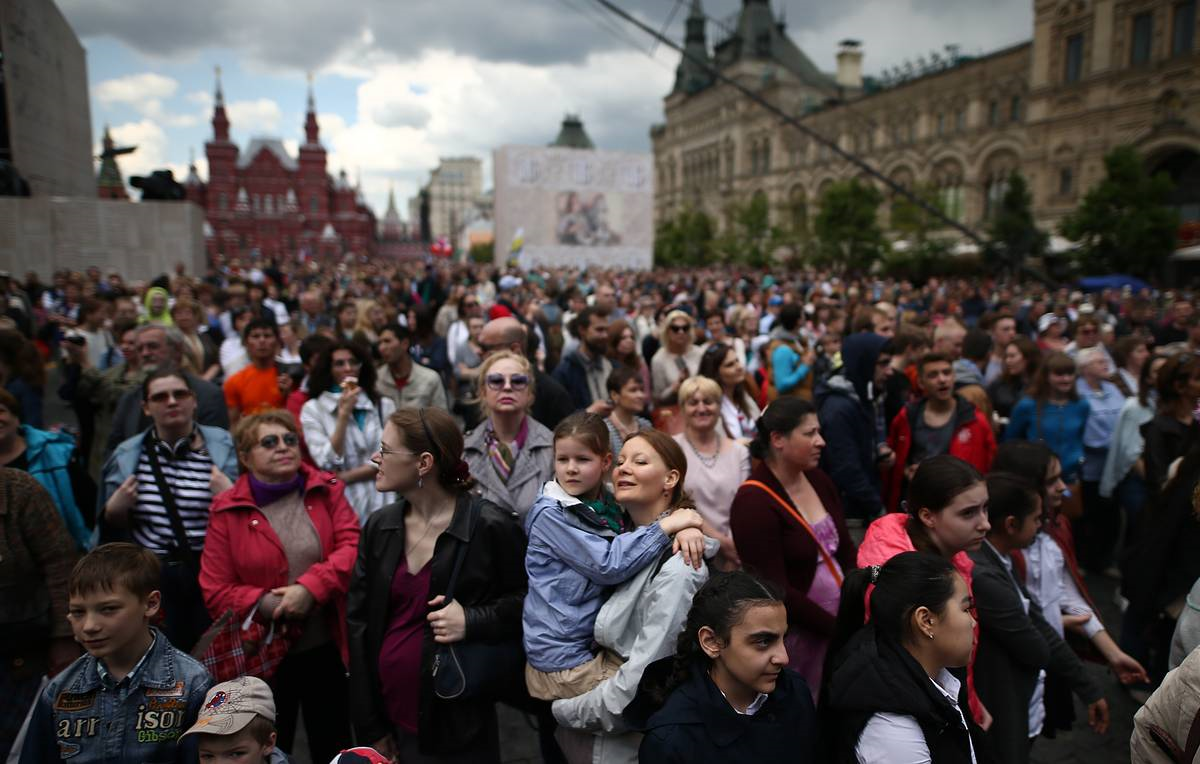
<point x="584" y="371"/>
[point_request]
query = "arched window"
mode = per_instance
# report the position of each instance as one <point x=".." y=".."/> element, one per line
<point x="996" y="173"/>
<point x="948" y="179"/>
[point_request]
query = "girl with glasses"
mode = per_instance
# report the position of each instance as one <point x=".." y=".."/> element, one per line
<point x="510" y="453"/>
<point x="343" y="421"/>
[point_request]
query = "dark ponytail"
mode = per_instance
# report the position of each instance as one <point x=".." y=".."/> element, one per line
<point x="720" y="605"/>
<point x="908" y="581"/>
<point x="782" y="416"/>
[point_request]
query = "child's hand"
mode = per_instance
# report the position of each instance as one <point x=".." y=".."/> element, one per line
<point x="680" y="519"/>
<point x="690" y="541"/>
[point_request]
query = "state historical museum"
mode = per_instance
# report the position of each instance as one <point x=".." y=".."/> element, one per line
<point x="265" y="200"/>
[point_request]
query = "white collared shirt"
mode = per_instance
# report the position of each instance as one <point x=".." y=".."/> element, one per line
<point x="752" y="709"/>
<point x="897" y="738"/>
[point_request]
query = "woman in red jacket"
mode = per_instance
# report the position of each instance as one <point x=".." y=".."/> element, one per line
<point x="788" y="527"/>
<point x="282" y="542"/>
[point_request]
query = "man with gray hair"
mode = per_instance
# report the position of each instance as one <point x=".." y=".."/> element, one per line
<point x="158" y="347"/>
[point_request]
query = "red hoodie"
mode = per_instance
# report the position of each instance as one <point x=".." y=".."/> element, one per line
<point x="973" y="441"/>
<point x="888" y="537"/>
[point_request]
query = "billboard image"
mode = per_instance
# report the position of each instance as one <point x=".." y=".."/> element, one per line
<point x="573" y="207"/>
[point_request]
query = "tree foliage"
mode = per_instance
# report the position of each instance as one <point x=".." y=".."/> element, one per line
<point x="847" y="228"/>
<point x="686" y="239"/>
<point x="1124" y="224"/>
<point x="1014" y="235"/>
<point x="750" y="238"/>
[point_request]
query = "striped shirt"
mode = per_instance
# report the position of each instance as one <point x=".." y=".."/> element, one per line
<point x="189" y="479"/>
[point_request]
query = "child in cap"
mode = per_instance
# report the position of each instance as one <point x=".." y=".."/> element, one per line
<point x="132" y="695"/>
<point x="237" y="724"/>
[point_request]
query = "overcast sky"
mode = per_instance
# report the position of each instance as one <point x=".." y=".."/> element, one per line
<point x="399" y="84"/>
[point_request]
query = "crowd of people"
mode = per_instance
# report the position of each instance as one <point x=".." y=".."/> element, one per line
<point x="670" y="516"/>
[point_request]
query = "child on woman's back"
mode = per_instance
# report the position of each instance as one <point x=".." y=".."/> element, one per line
<point x="577" y="548"/>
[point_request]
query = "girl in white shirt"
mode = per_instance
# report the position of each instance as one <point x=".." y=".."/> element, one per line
<point x="889" y="696"/>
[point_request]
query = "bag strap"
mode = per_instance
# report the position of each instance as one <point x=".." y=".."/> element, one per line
<point x="460" y="554"/>
<point x="828" y="558"/>
<point x="168" y="500"/>
<point x="1193" y="739"/>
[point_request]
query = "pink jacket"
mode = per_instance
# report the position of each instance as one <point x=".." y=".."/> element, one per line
<point x="243" y="558"/>
<point x="888" y="537"/>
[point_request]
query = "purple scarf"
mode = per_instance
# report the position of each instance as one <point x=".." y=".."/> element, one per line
<point x="269" y="493"/>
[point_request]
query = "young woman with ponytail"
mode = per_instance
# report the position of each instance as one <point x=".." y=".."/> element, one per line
<point x="730" y="696"/>
<point x="890" y="696"/>
<point x="946" y="515"/>
<point x="788" y="527"/>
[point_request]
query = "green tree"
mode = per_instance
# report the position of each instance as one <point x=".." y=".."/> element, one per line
<point x="750" y="238"/>
<point x="686" y="239"/>
<point x="482" y="252"/>
<point x="847" y="228"/>
<point x="1124" y="223"/>
<point x="1013" y="233"/>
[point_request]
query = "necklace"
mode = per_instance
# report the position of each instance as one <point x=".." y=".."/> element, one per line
<point x="428" y="525"/>
<point x="621" y="428"/>
<point x="707" y="461"/>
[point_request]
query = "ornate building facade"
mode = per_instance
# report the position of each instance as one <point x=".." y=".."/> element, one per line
<point x="267" y="201"/>
<point x="1097" y="74"/>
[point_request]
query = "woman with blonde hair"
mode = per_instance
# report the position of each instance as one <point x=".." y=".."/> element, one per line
<point x="718" y="463"/>
<point x="198" y="348"/>
<point x="371" y="320"/>
<point x="511" y="454"/>
<point x="676" y="359"/>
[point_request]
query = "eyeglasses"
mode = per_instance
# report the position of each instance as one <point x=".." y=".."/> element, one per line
<point x="166" y="395"/>
<point x="680" y="328"/>
<point x="518" y="382"/>
<point x="385" y="451"/>
<point x="353" y="363"/>
<point x="471" y="304"/>
<point x="290" y="439"/>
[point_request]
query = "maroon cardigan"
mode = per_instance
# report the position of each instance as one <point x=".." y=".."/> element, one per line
<point x="773" y="545"/>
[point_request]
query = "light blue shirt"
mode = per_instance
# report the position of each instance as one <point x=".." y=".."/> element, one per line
<point x="1105" y="406"/>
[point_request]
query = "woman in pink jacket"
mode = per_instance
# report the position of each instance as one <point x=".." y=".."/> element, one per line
<point x="945" y="514"/>
<point x="281" y="543"/>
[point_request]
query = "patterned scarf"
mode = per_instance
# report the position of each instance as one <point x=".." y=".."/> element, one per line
<point x="501" y="455"/>
<point x="609" y="511"/>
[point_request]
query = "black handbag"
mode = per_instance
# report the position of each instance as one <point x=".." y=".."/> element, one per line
<point x="476" y="670"/>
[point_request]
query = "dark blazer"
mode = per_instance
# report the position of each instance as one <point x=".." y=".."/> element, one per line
<point x="1013" y="648"/>
<point x="491" y="588"/>
<point x="773" y="545"/>
<point x="697" y="724"/>
<point x="129" y="419"/>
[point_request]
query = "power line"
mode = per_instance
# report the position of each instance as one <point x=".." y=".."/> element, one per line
<point x="666" y="24"/>
<point x="796" y="123"/>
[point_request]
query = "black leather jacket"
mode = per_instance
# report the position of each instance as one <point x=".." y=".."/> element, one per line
<point x="491" y="588"/>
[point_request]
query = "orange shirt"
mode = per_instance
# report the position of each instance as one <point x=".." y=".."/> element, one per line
<point x="253" y="389"/>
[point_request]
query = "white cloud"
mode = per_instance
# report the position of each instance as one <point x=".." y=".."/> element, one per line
<point x="261" y="114"/>
<point x="135" y="88"/>
<point x="151" y="154"/>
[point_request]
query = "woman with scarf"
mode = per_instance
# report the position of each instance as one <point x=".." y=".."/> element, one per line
<point x="511" y="454"/>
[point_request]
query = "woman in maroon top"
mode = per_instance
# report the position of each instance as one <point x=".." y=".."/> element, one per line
<point x="788" y="527"/>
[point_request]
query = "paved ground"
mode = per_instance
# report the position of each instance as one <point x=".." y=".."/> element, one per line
<point x="518" y="739"/>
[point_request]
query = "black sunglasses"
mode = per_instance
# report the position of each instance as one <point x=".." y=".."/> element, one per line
<point x="166" y="395"/>
<point x="680" y="328"/>
<point x="290" y="439"/>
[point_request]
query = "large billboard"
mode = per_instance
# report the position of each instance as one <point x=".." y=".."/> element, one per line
<point x="573" y="207"/>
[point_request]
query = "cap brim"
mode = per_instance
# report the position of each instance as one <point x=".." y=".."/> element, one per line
<point x="221" y="724"/>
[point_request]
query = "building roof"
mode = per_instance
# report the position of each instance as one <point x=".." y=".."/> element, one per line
<point x="572" y="135"/>
<point x="760" y="36"/>
<point x="266" y="143"/>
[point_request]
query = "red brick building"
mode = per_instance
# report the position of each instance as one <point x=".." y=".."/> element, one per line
<point x="265" y="199"/>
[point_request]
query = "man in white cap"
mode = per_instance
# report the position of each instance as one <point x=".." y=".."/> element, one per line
<point x="237" y="723"/>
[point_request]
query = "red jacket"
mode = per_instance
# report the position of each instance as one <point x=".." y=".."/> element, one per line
<point x="243" y="559"/>
<point x="973" y="442"/>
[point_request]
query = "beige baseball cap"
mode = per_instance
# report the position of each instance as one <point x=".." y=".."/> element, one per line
<point x="230" y="706"/>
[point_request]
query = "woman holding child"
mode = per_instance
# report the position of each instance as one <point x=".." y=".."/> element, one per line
<point x="397" y="611"/>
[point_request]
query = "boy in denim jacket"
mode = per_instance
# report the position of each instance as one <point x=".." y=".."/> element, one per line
<point x="133" y="695"/>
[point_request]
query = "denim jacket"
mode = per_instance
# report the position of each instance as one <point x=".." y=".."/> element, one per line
<point x="572" y="558"/>
<point x="84" y="717"/>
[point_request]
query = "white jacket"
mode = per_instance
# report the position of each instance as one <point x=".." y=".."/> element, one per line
<point x="318" y="418"/>
<point x="641" y="622"/>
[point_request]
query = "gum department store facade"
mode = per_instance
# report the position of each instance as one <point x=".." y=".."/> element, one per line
<point x="1097" y="74"/>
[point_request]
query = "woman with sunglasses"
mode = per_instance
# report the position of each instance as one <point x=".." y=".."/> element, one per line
<point x="511" y="454"/>
<point x="281" y="545"/>
<point x="677" y="359"/>
<point x="343" y="421"/>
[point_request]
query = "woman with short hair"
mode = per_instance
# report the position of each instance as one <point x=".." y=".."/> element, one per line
<point x="511" y="454"/>
<point x="281" y="545"/>
<point x="628" y="396"/>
